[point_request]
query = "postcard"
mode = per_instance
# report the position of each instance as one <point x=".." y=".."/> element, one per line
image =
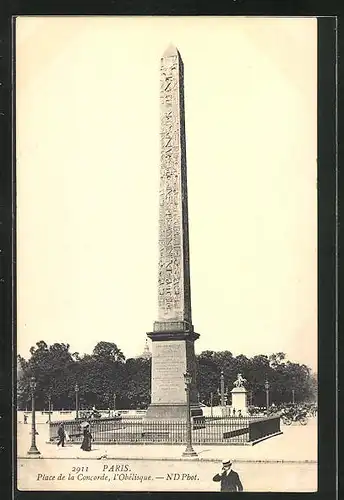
<point x="166" y="253"/>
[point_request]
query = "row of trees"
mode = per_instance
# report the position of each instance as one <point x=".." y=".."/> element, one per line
<point x="106" y="372"/>
<point x="284" y="377"/>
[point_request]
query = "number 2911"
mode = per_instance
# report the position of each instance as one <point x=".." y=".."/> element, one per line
<point x="76" y="470"/>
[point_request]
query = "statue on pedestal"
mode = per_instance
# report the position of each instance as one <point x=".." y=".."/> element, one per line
<point x="239" y="381"/>
<point x="239" y="396"/>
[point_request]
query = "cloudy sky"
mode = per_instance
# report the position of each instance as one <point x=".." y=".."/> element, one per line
<point x="88" y="172"/>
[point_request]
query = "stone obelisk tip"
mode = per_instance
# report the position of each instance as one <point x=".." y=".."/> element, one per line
<point x="170" y="51"/>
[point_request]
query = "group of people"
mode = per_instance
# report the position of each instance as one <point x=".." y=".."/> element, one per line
<point x="94" y="413"/>
<point x="232" y="412"/>
<point x="63" y="436"/>
<point x="307" y="409"/>
<point x="310" y="409"/>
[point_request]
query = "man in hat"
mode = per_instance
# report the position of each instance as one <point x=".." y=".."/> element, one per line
<point x="229" y="479"/>
<point x="61" y="435"/>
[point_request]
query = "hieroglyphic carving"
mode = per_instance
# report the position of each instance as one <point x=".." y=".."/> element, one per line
<point x="172" y="275"/>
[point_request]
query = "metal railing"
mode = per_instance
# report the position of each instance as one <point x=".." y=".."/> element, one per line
<point x="214" y="430"/>
<point x="264" y="427"/>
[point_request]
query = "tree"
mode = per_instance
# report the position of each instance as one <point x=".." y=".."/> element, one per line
<point x="277" y="359"/>
<point x="53" y="367"/>
<point x="138" y="375"/>
<point x="108" y="350"/>
<point x="101" y="375"/>
<point x="22" y="382"/>
<point x="208" y="375"/>
<point x="106" y="372"/>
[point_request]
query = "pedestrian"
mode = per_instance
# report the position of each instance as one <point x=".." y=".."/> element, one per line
<point x="229" y="479"/>
<point x="61" y="434"/>
<point x="86" y="442"/>
<point x="233" y="412"/>
<point x="239" y="413"/>
<point x="25" y="419"/>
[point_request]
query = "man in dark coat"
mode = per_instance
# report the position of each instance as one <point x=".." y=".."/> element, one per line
<point x="61" y="434"/>
<point x="230" y="480"/>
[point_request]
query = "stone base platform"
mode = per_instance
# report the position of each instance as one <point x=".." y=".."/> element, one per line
<point x="171" y="412"/>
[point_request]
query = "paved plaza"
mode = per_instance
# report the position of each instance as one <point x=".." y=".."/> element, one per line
<point x="287" y="462"/>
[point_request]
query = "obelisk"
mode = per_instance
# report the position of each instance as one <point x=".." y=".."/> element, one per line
<point x="173" y="334"/>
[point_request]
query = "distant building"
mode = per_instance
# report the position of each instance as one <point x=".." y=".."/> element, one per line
<point x="146" y="352"/>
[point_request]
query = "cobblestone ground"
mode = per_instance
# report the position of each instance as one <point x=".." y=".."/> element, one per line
<point x="283" y="463"/>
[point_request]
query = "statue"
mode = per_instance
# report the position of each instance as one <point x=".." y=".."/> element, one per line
<point x="239" y="396"/>
<point x="240" y="381"/>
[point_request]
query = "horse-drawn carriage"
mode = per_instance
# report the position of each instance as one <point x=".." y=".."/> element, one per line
<point x="292" y="414"/>
<point x="89" y="414"/>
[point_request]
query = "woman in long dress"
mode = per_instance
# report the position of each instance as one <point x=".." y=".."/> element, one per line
<point x="86" y="442"/>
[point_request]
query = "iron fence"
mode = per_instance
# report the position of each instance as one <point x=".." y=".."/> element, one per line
<point x="213" y="430"/>
<point x="264" y="427"/>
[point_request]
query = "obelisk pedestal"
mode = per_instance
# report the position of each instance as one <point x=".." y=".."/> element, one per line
<point x="172" y="355"/>
<point x="173" y="334"/>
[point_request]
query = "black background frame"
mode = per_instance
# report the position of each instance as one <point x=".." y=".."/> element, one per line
<point x="328" y="206"/>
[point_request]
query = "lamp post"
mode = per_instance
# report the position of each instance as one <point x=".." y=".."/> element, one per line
<point x="49" y="407"/>
<point x="189" y="451"/>
<point x="267" y="387"/>
<point x="222" y="388"/>
<point x="223" y="395"/>
<point x="293" y="395"/>
<point x="76" y="401"/>
<point x="33" y="448"/>
<point x="211" y="404"/>
<point x="114" y="403"/>
<point x="221" y="392"/>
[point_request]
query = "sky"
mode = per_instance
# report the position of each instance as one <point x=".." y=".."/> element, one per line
<point x="87" y="93"/>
